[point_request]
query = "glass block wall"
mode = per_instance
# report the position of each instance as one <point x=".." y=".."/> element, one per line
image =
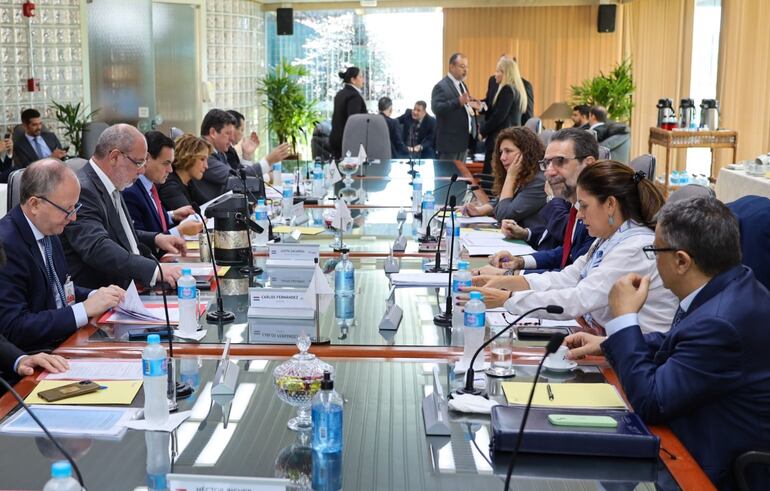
<point x="235" y="50"/>
<point x="55" y="58"/>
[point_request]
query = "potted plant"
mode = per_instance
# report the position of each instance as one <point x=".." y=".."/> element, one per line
<point x="613" y="91"/>
<point x="290" y="113"/>
<point x="74" y="120"/>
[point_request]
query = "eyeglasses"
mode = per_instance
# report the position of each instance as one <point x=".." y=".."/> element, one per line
<point x="138" y="163"/>
<point x="67" y="212"/>
<point x="557" y="161"/>
<point x="651" y="251"/>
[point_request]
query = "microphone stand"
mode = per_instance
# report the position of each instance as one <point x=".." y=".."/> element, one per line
<point x="250" y="269"/>
<point x="437" y="264"/>
<point x="411" y="171"/>
<point x="553" y="344"/>
<point x="469" y="388"/>
<point x="445" y="319"/>
<point x="427" y="237"/>
<point x="220" y="315"/>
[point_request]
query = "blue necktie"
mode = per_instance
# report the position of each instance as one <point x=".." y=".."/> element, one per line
<point x="677" y="317"/>
<point x="51" y="272"/>
<point x="38" y="148"/>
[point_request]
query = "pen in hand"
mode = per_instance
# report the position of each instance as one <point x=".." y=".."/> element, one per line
<point x="550" y="392"/>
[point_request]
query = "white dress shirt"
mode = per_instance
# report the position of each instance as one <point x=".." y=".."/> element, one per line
<point x="460" y="87"/>
<point x="590" y="295"/>
<point x="627" y="320"/>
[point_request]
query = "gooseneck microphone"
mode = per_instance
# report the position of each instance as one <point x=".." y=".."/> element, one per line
<point x="469" y="388"/>
<point x="445" y="319"/>
<point x="553" y="344"/>
<point x="220" y="315"/>
<point x="45" y="430"/>
<point x="437" y="265"/>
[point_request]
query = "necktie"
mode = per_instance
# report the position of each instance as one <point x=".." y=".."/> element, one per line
<point x="38" y="148"/>
<point x="677" y="317"/>
<point x="568" y="236"/>
<point x="118" y="202"/>
<point x="471" y="125"/>
<point x="159" y="208"/>
<point x="53" y="279"/>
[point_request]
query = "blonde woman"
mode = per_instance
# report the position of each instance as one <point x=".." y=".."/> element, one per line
<point x="191" y="155"/>
<point x="509" y="103"/>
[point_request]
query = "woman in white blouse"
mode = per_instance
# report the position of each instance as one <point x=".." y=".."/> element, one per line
<point x="618" y="207"/>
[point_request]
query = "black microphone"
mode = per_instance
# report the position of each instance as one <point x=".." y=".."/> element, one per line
<point x="469" y="388"/>
<point x="220" y="315"/>
<point x="251" y="270"/>
<point x="445" y="319"/>
<point x="45" y="430"/>
<point x="437" y="266"/>
<point x="553" y="344"/>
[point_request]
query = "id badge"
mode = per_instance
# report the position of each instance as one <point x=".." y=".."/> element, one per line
<point x="69" y="292"/>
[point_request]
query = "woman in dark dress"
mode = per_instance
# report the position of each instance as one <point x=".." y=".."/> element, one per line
<point x="191" y="155"/>
<point x="507" y="106"/>
<point x="348" y="101"/>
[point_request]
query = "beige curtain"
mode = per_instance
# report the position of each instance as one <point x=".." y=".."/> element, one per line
<point x="743" y="75"/>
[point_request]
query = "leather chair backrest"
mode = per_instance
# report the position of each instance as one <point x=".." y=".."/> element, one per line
<point x="644" y="163"/>
<point x="14" y="186"/>
<point x="369" y="130"/>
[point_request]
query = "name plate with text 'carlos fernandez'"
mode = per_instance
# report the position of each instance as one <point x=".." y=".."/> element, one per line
<point x="294" y="255"/>
<point x="280" y="300"/>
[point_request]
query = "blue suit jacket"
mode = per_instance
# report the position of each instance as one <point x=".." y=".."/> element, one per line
<point x="550" y="260"/>
<point x="753" y="214"/>
<point x="707" y="378"/>
<point x="554" y="217"/>
<point x="142" y="209"/>
<point x="425" y="135"/>
<point x="28" y="314"/>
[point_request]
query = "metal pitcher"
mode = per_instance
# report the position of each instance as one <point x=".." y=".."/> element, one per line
<point x="709" y="114"/>
<point x="687" y="113"/>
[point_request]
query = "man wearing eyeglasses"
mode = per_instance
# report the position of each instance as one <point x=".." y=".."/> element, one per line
<point x="102" y="246"/>
<point x="39" y="304"/>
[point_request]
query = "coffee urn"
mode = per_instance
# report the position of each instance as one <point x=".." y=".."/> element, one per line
<point x="230" y="241"/>
<point x="687" y="114"/>
<point x="665" y="112"/>
<point x="709" y="114"/>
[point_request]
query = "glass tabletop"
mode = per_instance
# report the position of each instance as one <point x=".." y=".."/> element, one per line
<point x="385" y="446"/>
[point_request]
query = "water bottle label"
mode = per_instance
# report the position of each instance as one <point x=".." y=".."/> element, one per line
<point x="344" y="306"/>
<point x="187" y="292"/>
<point x="155" y="368"/>
<point x="474" y="319"/>
<point x="457" y="284"/>
<point x="260" y="215"/>
<point x="344" y="280"/>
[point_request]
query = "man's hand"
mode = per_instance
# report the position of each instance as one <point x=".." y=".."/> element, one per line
<point x="190" y="227"/>
<point x="418" y="148"/>
<point x="512" y="230"/>
<point x="278" y="153"/>
<point x="103" y="300"/>
<point x="582" y="344"/>
<point x="505" y="259"/>
<point x="464" y="99"/>
<point x="171" y="273"/>
<point x="7" y="146"/>
<point x="475" y="104"/>
<point x="628" y="294"/>
<point x="493" y="297"/>
<point x="249" y="145"/>
<point x="181" y="213"/>
<point x="51" y="363"/>
<point x="172" y="244"/>
<point x="58" y="153"/>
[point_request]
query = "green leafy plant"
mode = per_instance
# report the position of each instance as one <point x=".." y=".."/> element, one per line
<point x="290" y="113"/>
<point x="74" y="119"/>
<point x="613" y="91"/>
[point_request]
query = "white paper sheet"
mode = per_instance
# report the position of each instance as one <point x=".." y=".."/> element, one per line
<point x="100" y="369"/>
<point x="208" y="203"/>
<point x="420" y="279"/>
<point x="195" y="336"/>
<point x="132" y="307"/>
<point x="174" y="420"/>
<point x="93" y="421"/>
<point x="475" y="220"/>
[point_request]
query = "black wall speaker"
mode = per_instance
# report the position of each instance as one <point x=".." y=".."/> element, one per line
<point x="606" y="20"/>
<point x="285" y="21"/>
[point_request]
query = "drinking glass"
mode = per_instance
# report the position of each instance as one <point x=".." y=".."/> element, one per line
<point x="501" y="359"/>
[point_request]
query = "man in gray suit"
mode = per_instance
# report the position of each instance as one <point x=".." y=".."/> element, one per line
<point x="101" y="246"/>
<point x="455" y="111"/>
<point x="217" y="128"/>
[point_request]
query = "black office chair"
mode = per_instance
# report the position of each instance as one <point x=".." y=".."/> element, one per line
<point x="754" y="457"/>
<point x="645" y="163"/>
<point x="14" y="187"/>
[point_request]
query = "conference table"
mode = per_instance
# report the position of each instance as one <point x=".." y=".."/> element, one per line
<point x="383" y="377"/>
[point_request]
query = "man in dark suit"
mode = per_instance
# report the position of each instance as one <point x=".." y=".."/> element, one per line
<point x="419" y="131"/>
<point x="397" y="148"/>
<point x="240" y="153"/>
<point x="455" y="110"/>
<point x="707" y="378"/>
<point x="597" y="121"/>
<point x="217" y="128"/>
<point x="580" y="117"/>
<point x="39" y="304"/>
<point x="142" y="198"/>
<point x="6" y="158"/>
<point x="33" y="143"/>
<point x="753" y="214"/>
<point x="102" y="245"/>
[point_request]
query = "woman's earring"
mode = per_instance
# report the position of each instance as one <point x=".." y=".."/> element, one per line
<point x="611" y="220"/>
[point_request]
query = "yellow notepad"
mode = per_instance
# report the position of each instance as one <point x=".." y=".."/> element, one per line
<point x="565" y="395"/>
<point x="285" y="229"/>
<point x="193" y="245"/>
<point x="117" y="392"/>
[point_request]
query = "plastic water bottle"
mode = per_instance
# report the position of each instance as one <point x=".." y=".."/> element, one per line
<point x="260" y="216"/>
<point x="473" y="329"/>
<point x="187" y="291"/>
<point x="277" y="173"/>
<point x="428" y="209"/>
<point x="344" y="291"/>
<point x="326" y="411"/>
<point x="155" y="369"/>
<point x="288" y="196"/>
<point x="452" y="234"/>
<point x="416" y="193"/>
<point x="158" y="459"/>
<point x="327" y="471"/>
<point x="460" y="279"/>
<point x="684" y="178"/>
<point x="318" y="180"/>
<point x="61" y="478"/>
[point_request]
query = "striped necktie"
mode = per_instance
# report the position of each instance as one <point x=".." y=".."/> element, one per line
<point x="53" y="279"/>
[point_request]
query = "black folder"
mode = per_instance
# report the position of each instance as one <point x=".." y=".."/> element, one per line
<point x="631" y="438"/>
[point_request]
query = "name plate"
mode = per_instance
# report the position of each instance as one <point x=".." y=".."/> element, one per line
<point x="276" y="298"/>
<point x="298" y="213"/>
<point x="334" y="173"/>
<point x="294" y="252"/>
<point x="187" y="482"/>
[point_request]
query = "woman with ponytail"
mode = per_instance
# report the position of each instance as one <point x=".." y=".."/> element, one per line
<point x="348" y="101"/>
<point x="618" y="207"/>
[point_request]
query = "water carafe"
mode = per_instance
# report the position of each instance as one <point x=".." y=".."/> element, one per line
<point x="687" y="114"/>
<point x="709" y="114"/>
<point x="665" y="113"/>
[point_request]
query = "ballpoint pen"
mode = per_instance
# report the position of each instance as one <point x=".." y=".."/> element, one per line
<point x="550" y="392"/>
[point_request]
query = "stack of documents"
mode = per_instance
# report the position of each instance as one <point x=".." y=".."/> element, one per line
<point x="133" y="311"/>
<point x="475" y="220"/>
<point x="75" y="421"/>
<point x="419" y="279"/>
<point x="485" y="244"/>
